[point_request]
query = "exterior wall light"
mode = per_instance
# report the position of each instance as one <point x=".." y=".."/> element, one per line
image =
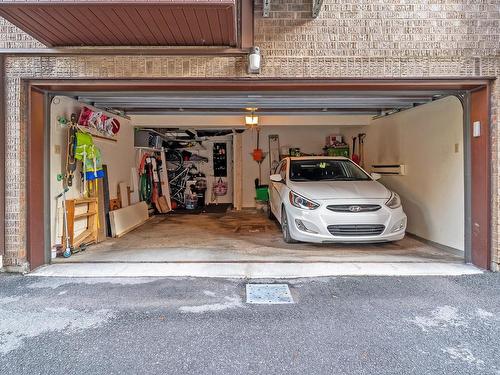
<point x="254" y="60"/>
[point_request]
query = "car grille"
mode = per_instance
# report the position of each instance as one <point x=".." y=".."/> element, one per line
<point x="356" y="230"/>
<point x="354" y="208"/>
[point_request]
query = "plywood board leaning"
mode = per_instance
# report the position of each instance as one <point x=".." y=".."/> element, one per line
<point x="101" y="233"/>
<point x="123" y="194"/>
<point x="163" y="204"/>
<point x="128" y="218"/>
<point x="106" y="199"/>
<point x="114" y="204"/>
<point x="165" y="189"/>
<point x="134" y="186"/>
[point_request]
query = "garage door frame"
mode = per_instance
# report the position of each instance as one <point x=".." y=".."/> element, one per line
<point x="477" y="161"/>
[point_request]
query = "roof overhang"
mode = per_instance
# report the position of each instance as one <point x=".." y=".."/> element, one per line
<point x="65" y="23"/>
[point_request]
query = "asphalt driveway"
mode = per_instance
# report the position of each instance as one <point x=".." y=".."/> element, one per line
<point x="363" y="325"/>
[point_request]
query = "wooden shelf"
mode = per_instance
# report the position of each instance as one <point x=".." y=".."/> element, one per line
<point x="95" y="134"/>
<point x="87" y="233"/>
<point x="85" y="214"/>
<point x="149" y="149"/>
<point x="90" y="234"/>
<point x="84" y="200"/>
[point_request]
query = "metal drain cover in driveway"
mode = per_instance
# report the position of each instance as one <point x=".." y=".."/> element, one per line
<point x="268" y="294"/>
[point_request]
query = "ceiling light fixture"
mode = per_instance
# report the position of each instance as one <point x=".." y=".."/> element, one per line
<point x="252" y="120"/>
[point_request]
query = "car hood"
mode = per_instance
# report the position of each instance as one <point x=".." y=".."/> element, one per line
<point x="341" y="189"/>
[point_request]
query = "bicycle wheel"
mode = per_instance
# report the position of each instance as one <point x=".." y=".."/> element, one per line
<point x="174" y="161"/>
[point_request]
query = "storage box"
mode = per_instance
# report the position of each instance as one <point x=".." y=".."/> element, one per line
<point x="338" y="151"/>
<point x="262" y="193"/>
<point x="332" y="139"/>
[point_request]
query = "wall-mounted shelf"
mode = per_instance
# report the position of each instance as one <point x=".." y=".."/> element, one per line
<point x="89" y="235"/>
<point x="149" y="149"/>
<point x="390" y="169"/>
<point x="95" y="134"/>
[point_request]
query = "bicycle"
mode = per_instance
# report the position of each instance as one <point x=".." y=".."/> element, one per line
<point x="178" y="176"/>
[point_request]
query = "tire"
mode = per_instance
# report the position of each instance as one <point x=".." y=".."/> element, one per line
<point x="285" y="227"/>
<point x="174" y="161"/>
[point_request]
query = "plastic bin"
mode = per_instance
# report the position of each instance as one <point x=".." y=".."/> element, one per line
<point x="338" y="151"/>
<point x="262" y="193"/>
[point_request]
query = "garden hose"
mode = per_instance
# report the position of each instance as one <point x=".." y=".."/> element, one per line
<point x="146" y="188"/>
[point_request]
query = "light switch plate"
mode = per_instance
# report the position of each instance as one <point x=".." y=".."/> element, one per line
<point x="476" y="129"/>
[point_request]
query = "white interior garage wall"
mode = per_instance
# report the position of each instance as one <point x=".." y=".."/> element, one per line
<point x="429" y="140"/>
<point x="118" y="156"/>
<point x="310" y="139"/>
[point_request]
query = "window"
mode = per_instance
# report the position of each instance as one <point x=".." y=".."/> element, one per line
<point x="326" y="170"/>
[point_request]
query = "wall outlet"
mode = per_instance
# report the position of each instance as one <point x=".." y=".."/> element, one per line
<point x="57" y="149"/>
<point x="457" y="148"/>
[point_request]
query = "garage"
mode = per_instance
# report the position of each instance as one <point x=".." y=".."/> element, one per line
<point x="220" y="147"/>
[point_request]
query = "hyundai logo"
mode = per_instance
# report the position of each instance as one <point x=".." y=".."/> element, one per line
<point x="354" y="208"/>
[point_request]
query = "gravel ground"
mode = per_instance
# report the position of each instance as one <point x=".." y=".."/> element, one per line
<point x="344" y="325"/>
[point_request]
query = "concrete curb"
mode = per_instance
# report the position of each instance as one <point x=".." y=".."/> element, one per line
<point x="254" y="270"/>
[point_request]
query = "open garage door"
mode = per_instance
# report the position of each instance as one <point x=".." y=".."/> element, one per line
<point x="417" y="139"/>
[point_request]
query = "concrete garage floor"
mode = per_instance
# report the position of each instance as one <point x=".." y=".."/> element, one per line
<point x="239" y="237"/>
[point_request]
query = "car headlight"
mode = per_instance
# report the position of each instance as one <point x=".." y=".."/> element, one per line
<point x="394" y="201"/>
<point x="300" y="202"/>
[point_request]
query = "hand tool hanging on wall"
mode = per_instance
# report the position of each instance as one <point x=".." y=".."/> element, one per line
<point x="67" y="250"/>
<point x="354" y="156"/>
<point x="70" y="148"/>
<point x="274" y="152"/>
<point x="361" y="137"/>
<point x="258" y="155"/>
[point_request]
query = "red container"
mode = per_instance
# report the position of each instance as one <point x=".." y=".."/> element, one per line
<point x="258" y="155"/>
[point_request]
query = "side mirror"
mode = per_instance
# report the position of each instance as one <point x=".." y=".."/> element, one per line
<point x="376" y="176"/>
<point x="276" y="178"/>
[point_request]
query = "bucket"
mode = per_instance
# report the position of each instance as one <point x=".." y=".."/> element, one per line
<point x="262" y="193"/>
<point x="191" y="202"/>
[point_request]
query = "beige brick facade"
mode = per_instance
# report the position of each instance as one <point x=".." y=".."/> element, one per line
<point x="356" y="38"/>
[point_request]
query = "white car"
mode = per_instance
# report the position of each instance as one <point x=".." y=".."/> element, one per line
<point x="331" y="199"/>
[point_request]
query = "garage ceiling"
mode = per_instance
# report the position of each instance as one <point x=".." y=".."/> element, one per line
<point x="374" y="103"/>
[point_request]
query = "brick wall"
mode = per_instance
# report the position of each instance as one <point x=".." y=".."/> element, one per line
<point x="355" y="38"/>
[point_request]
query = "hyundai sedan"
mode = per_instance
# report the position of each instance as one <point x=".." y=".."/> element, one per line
<point x="331" y="199"/>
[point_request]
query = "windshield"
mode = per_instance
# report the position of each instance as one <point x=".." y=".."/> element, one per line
<point x="326" y="170"/>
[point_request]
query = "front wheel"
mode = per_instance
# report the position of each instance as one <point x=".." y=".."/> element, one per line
<point x="285" y="227"/>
